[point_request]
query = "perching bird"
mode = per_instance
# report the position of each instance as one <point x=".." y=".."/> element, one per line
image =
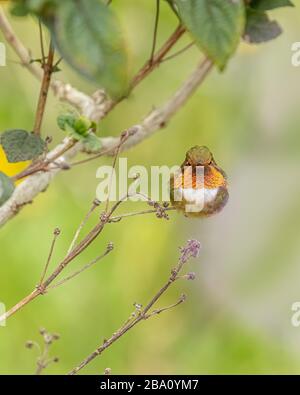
<point x="186" y="189"/>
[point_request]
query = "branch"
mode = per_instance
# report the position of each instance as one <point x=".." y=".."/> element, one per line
<point x="159" y="118"/>
<point x="86" y="267"/>
<point x="156" y="120"/>
<point x="190" y="250"/>
<point x="105" y="218"/>
<point x="155" y="30"/>
<point x="94" y="107"/>
<point x="48" y="70"/>
<point x="44" y="359"/>
<point x="156" y="60"/>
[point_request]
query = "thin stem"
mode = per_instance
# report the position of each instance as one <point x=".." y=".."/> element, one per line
<point x="86" y="267"/>
<point x="82" y="224"/>
<point x="42" y="42"/>
<point x="77" y="250"/>
<point x="113" y="169"/>
<point x="145" y="313"/>
<point x="56" y="64"/>
<point x="48" y="69"/>
<point x="149" y="67"/>
<point x="55" y="236"/>
<point x="83" y="161"/>
<point x="134" y="214"/>
<point x="182" y="299"/>
<point x="155" y="31"/>
<point x="21" y="51"/>
<point x="43" y="165"/>
<point x="181" y="51"/>
<point x="113" y="149"/>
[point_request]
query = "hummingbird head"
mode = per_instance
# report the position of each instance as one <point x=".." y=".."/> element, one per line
<point x="199" y="197"/>
<point x="198" y="156"/>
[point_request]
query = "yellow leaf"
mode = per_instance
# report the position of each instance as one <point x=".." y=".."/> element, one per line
<point x="10" y="169"/>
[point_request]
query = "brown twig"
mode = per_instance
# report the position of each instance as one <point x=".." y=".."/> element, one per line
<point x="180" y="52"/>
<point x="48" y="69"/>
<point x="190" y="250"/>
<point x="158" y="57"/>
<point x="44" y="359"/>
<point x="134" y="214"/>
<point x="56" y="233"/>
<point x="86" y="267"/>
<point x="143" y="73"/>
<point x="156" y="120"/>
<point x="124" y="136"/>
<point x="155" y="30"/>
<point x="83" y="223"/>
<point x="42" y="42"/>
<point x="42" y="166"/>
<point x="43" y="287"/>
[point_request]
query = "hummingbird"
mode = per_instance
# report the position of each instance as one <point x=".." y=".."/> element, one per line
<point x="199" y="196"/>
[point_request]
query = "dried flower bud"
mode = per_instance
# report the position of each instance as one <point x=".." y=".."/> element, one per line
<point x="182" y="298"/>
<point x="42" y="331"/>
<point x="48" y="139"/>
<point x="107" y="371"/>
<point x="190" y="276"/>
<point x="29" y="344"/>
<point x="56" y="232"/>
<point x="96" y="202"/>
<point x="103" y="217"/>
<point x="56" y="336"/>
<point x="110" y="246"/>
<point x="191" y="250"/>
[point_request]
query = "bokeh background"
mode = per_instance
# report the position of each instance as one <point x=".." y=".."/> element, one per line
<point x="237" y="318"/>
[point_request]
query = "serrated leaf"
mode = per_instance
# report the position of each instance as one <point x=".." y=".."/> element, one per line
<point x="6" y="188"/>
<point x="20" y="145"/>
<point x="216" y="26"/>
<point x="259" y="28"/>
<point x="65" y="120"/>
<point x="73" y="124"/>
<point x="89" y="37"/>
<point x="92" y="143"/>
<point x="266" y="5"/>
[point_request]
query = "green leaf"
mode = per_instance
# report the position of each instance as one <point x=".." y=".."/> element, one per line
<point x="80" y="129"/>
<point x="92" y="143"/>
<point x="266" y="5"/>
<point x="20" y="145"/>
<point x="66" y="120"/>
<point x="259" y="28"/>
<point x="6" y="188"/>
<point x="75" y="125"/>
<point x="82" y="126"/>
<point x="89" y="37"/>
<point x="216" y="26"/>
<point x="40" y="7"/>
<point x="19" y="9"/>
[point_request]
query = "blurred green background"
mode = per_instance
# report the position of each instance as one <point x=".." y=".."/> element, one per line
<point x="237" y="318"/>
